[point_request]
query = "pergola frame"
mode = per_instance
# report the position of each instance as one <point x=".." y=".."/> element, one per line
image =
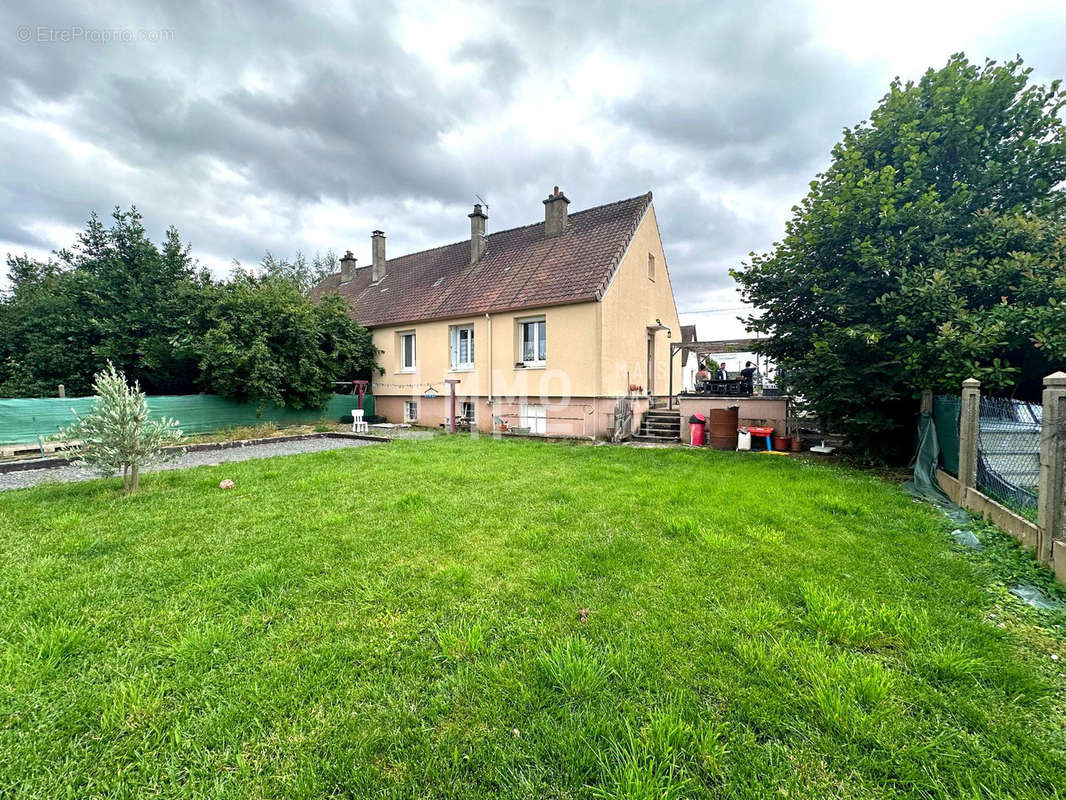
<point x="707" y="347"/>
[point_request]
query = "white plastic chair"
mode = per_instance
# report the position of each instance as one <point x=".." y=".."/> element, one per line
<point x="358" y="424"/>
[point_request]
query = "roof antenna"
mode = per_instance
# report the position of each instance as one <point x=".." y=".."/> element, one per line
<point x="479" y="197"/>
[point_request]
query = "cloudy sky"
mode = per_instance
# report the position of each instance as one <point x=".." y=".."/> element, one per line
<point x="257" y="126"/>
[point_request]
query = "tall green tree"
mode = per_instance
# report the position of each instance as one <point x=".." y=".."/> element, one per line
<point x="141" y="298"/>
<point x="46" y="334"/>
<point x="116" y="298"/>
<point x="264" y="341"/>
<point x="929" y="250"/>
<point x="305" y="274"/>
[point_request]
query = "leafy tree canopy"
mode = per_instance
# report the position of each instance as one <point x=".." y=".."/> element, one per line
<point x="930" y="250"/>
<point x="304" y="274"/>
<point x="116" y="298"/>
<point x="264" y="341"/>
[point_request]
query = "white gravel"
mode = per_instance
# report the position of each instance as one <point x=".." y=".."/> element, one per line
<point x="203" y="458"/>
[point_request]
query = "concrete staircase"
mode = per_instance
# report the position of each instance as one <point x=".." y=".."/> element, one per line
<point x="660" y="425"/>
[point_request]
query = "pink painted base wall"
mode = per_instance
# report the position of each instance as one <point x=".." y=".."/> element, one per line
<point x="576" y="416"/>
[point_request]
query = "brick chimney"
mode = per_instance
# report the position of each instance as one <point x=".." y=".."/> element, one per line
<point x="555" y="213"/>
<point x="377" y="247"/>
<point x="477" y="233"/>
<point x="347" y="267"/>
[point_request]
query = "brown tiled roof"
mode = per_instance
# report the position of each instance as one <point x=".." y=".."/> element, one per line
<point x="521" y="268"/>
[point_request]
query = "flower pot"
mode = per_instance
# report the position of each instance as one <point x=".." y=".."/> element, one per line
<point x="797" y="444"/>
<point x="782" y="442"/>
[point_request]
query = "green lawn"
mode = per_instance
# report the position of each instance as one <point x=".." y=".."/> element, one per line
<point x="406" y="621"/>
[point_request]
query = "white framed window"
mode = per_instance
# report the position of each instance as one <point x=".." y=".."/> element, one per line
<point x="410" y="411"/>
<point x="651" y="267"/>
<point x="462" y="346"/>
<point x="468" y="411"/>
<point x="532" y="342"/>
<point x="407" y="351"/>
<point x="534" y="417"/>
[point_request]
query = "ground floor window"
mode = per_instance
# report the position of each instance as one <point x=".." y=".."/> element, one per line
<point x="534" y="417"/>
<point x="467" y="410"/>
<point x="410" y="411"/>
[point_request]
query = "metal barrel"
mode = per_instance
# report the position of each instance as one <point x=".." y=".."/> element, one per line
<point x="722" y="424"/>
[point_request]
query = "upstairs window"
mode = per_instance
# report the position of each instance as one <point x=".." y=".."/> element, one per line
<point x="532" y="342"/>
<point x="651" y="267"/>
<point x="462" y="346"/>
<point x="407" y="351"/>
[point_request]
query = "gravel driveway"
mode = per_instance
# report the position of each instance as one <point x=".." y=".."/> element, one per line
<point x="202" y="458"/>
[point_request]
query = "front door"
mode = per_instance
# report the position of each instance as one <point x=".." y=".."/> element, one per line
<point x="651" y="363"/>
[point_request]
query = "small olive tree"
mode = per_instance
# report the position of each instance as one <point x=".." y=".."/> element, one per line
<point x="117" y="435"/>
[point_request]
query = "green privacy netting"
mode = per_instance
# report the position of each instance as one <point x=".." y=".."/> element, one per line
<point x="923" y="485"/>
<point x="946" y="419"/>
<point x="26" y="419"/>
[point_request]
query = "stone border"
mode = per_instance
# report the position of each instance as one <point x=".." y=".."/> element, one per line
<point x="542" y="437"/>
<point x="58" y="461"/>
<point x="1019" y="527"/>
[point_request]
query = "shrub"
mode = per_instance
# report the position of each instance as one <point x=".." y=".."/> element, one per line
<point x="117" y="433"/>
<point x="929" y="251"/>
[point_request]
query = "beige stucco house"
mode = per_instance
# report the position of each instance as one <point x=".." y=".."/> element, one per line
<point x="543" y="326"/>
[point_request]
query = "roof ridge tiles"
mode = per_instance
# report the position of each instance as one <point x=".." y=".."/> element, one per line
<point x="524" y="227"/>
<point x="520" y="268"/>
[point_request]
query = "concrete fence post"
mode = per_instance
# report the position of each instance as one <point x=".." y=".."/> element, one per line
<point x="927" y="402"/>
<point x="1051" y="517"/>
<point x="969" y="427"/>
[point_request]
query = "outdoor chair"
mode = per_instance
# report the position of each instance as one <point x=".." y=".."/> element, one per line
<point x="358" y="423"/>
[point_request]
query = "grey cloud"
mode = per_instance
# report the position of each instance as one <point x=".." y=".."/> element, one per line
<point x="500" y="63"/>
<point x="312" y="104"/>
<point x="705" y="238"/>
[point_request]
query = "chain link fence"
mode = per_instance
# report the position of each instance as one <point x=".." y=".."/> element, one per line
<point x="1008" y="452"/>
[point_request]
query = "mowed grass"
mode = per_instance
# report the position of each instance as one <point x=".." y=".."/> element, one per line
<point x="461" y="618"/>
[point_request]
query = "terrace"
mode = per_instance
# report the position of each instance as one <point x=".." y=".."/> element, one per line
<point x="767" y="406"/>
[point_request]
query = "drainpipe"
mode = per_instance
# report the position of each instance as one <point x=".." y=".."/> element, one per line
<point x="488" y="324"/>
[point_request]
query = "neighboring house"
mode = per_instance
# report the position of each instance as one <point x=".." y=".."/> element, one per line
<point x="690" y="365"/>
<point x="544" y="326"/>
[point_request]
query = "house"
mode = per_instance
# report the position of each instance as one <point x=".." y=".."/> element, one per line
<point x="543" y="327"/>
